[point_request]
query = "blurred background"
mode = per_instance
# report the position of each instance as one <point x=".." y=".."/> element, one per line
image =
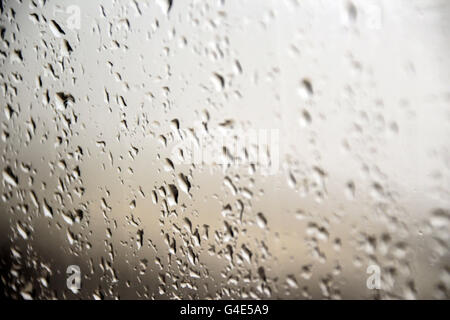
<point x="225" y="149"/>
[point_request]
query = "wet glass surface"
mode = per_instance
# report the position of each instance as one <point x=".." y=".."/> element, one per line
<point x="225" y="149"/>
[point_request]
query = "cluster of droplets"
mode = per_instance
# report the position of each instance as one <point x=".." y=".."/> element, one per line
<point x="98" y="121"/>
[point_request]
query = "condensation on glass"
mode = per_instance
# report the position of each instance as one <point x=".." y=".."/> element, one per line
<point x="225" y="149"/>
